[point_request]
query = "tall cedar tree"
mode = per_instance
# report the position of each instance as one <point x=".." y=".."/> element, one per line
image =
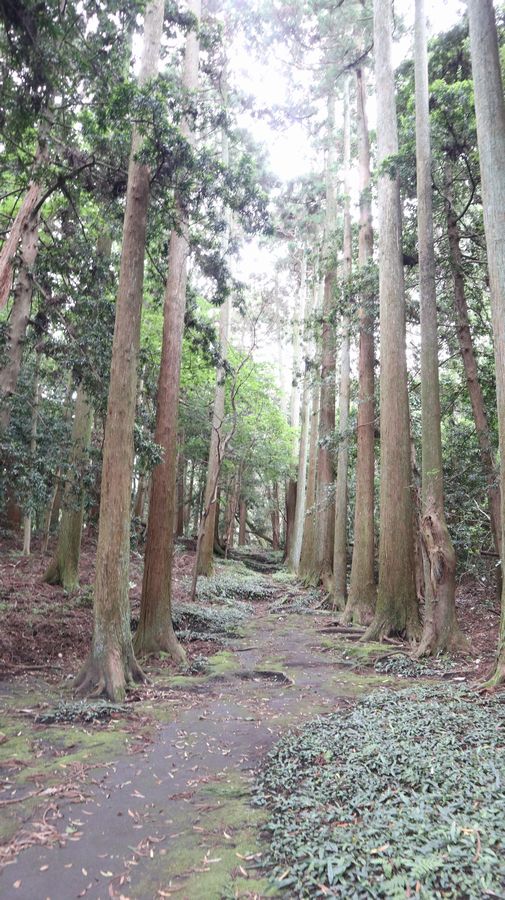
<point x="490" y="115"/>
<point x="341" y="490"/>
<point x="155" y="631"/>
<point x="111" y="664"/>
<point x="397" y="611"/>
<point x="440" y="628"/>
<point x="361" y="601"/>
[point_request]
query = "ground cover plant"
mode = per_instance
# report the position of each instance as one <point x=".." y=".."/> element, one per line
<point x="398" y="797"/>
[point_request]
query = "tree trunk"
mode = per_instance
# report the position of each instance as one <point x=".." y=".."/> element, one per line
<point x="341" y="490"/>
<point x="155" y="631"/>
<point x="466" y="349"/>
<point x="307" y="554"/>
<point x="490" y="115"/>
<point x="181" y="470"/>
<point x="440" y="629"/>
<point x="291" y="500"/>
<point x="361" y="601"/>
<point x="295" y="549"/>
<point x="64" y="568"/>
<point x="28" y="517"/>
<point x="190" y="497"/>
<point x="397" y="610"/>
<point x="112" y="663"/>
<point x="325" y="463"/>
<point x="275" y="516"/>
<point x="242" y="534"/>
<point x="140" y="498"/>
<point x="19" y="316"/>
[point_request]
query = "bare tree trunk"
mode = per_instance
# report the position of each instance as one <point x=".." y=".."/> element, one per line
<point x="325" y="463"/>
<point x="341" y="490"/>
<point x="466" y="349"/>
<point x="275" y="516"/>
<point x="490" y="115"/>
<point x="112" y="663"/>
<point x="190" y="496"/>
<point x="140" y="497"/>
<point x="306" y="566"/>
<point x="242" y="534"/>
<point x="19" y="316"/>
<point x="440" y="629"/>
<point x="301" y="478"/>
<point x="361" y="601"/>
<point x="27" y="519"/>
<point x="397" y="610"/>
<point x="155" y="630"/>
<point x="293" y="497"/>
<point x="181" y="470"/>
<point x="64" y="567"/>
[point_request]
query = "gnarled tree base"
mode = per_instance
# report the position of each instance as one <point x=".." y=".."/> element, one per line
<point x="56" y="575"/>
<point x="359" y="610"/>
<point x="383" y="626"/>
<point x="108" y="674"/>
<point x="148" y="642"/>
<point x="447" y="640"/>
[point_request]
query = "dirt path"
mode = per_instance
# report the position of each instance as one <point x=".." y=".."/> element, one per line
<point x="176" y="819"/>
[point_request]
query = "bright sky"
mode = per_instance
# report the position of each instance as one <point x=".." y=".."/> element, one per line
<point x="289" y="149"/>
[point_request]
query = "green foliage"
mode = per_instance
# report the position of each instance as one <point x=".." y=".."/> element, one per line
<point x="398" y="797"/>
<point x="81" y="711"/>
<point x="213" y="622"/>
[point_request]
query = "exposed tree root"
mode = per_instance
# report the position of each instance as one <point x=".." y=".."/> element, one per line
<point x="497" y="675"/>
<point x="434" y="642"/>
<point x="148" y="643"/>
<point x="358" y="610"/>
<point x="383" y="627"/>
<point x="108" y="675"/>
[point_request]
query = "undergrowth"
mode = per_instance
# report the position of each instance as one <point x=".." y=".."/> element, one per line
<point x="402" y="796"/>
<point x="233" y="585"/>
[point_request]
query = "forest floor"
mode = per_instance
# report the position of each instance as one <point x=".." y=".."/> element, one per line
<point x="153" y="798"/>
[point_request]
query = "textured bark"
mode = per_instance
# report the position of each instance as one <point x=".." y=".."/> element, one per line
<point x="190" y="497"/>
<point x="275" y="516"/>
<point x="397" y="611"/>
<point x="323" y="568"/>
<point x="242" y="515"/>
<point x="308" y="301"/>
<point x="290" y="505"/>
<point x="307" y="554"/>
<point x="64" y="567"/>
<point x="19" y="316"/>
<point x="27" y="519"/>
<point x="26" y="215"/>
<point x="490" y="115"/>
<point x="440" y="628"/>
<point x="155" y="631"/>
<point x="140" y="497"/>
<point x="468" y="356"/>
<point x="341" y="490"/>
<point x="112" y="663"/>
<point x="362" y="592"/>
<point x="181" y="472"/>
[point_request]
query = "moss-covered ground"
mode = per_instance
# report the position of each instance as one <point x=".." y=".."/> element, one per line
<point x="153" y="798"/>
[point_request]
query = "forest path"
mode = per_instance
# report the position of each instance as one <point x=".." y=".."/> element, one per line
<point x="176" y="819"/>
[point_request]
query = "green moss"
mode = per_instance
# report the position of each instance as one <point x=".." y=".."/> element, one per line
<point x="208" y="856"/>
<point x="221" y="663"/>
